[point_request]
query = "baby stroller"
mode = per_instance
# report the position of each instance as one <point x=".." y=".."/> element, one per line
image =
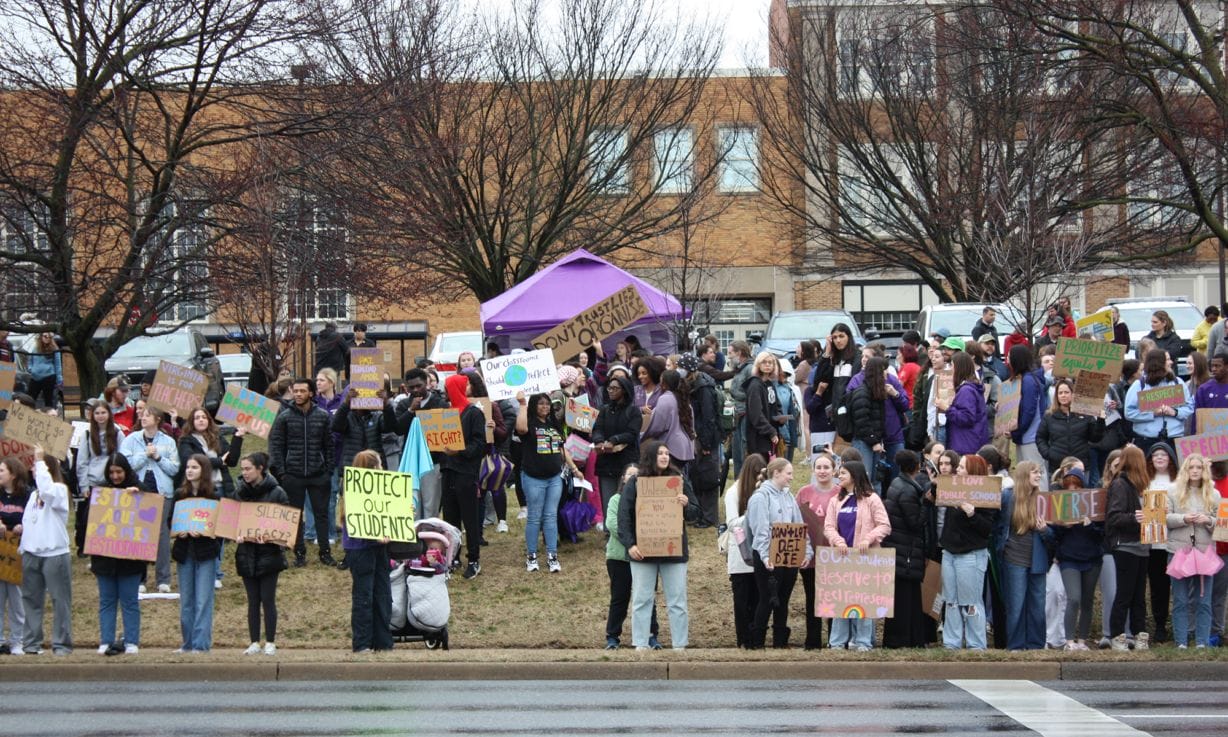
<point x="419" y="571"/>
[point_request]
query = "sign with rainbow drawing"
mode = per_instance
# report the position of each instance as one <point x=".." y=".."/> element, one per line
<point x="854" y="586"/>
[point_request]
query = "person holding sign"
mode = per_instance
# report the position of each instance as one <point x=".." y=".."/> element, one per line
<point x="195" y="554"/>
<point x="119" y="579"/>
<point x="655" y="463"/>
<point x="371" y="588"/>
<point x="1033" y="401"/>
<point x="155" y="460"/>
<point x="1122" y="533"/>
<point x="459" y="471"/>
<point x="856" y="519"/>
<point x="1080" y="558"/>
<point x="259" y="563"/>
<point x="201" y="436"/>
<point x="541" y="467"/>
<point x="1193" y="504"/>
<point x="14" y="494"/>
<point x="965" y="544"/>
<point x="772" y="503"/>
<point x="1162" y="423"/>
<point x="1021" y="537"/>
<point x="616" y="434"/>
<point x="46" y="566"/>
<point x="102" y="439"/>
<point x="1065" y="433"/>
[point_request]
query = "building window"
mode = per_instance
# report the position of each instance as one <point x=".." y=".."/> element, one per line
<point x="887" y="305"/>
<point x="178" y="281"/>
<point x="26" y="286"/>
<point x="867" y="205"/>
<point x="739" y="148"/>
<point x="897" y="61"/>
<point x="674" y="159"/>
<point x="751" y="311"/>
<point x="609" y="166"/>
<point x="318" y="267"/>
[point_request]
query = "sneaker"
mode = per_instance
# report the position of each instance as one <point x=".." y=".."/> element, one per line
<point x="611" y="643"/>
<point x="654" y="643"/>
<point x="217" y="583"/>
<point x="863" y="648"/>
<point x="530" y="564"/>
<point x="35" y="651"/>
<point x="1104" y="643"/>
<point x="1119" y="643"/>
<point x="327" y="560"/>
<point x="140" y="589"/>
<point x="252" y="649"/>
<point x="102" y="649"/>
<point x="114" y="648"/>
<point x="1214" y="641"/>
<point x="1183" y="646"/>
<point x="131" y="649"/>
<point x="270" y="648"/>
<point x="179" y="651"/>
<point x="18" y="650"/>
<point x="1071" y="646"/>
<point x="502" y="526"/>
<point x="61" y="652"/>
<point x="164" y="588"/>
<point x="472" y="570"/>
<point x="641" y="647"/>
<point x="552" y="561"/>
<point x="1142" y="641"/>
<point x="1200" y="646"/>
<point x="599" y="527"/>
<point x="300" y="561"/>
<point x="522" y="514"/>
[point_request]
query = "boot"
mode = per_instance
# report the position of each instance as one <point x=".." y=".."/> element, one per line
<point x="780" y="637"/>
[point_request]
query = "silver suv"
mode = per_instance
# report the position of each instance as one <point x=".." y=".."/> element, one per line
<point x="1136" y="313"/>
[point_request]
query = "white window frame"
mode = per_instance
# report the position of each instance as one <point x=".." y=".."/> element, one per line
<point x="185" y="238"/>
<point x="21" y="293"/>
<point x="866" y="197"/>
<point x="866" y="46"/>
<point x="609" y="164"/>
<point x="674" y="159"/>
<point x="322" y="303"/>
<point x="739" y="149"/>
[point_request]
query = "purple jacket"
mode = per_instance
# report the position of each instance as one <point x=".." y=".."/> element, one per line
<point x="330" y="406"/>
<point x="967" y="419"/>
<point x="893" y="423"/>
<point x="666" y="426"/>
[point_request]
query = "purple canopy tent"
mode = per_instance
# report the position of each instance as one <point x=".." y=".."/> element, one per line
<point x="564" y="289"/>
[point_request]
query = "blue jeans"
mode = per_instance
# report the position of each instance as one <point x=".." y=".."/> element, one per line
<point x="643" y="589"/>
<point x="543" y="497"/>
<point x="196" y="579"/>
<point x="963" y="591"/>
<point x="1023" y="595"/>
<point x="1193" y="592"/>
<point x="333" y="491"/>
<point x="881" y="480"/>
<point x="738" y="445"/>
<point x="121" y="590"/>
<point x="854" y="632"/>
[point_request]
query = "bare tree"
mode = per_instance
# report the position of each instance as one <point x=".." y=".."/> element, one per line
<point x="495" y="146"/>
<point x="116" y="124"/>
<point x="947" y="144"/>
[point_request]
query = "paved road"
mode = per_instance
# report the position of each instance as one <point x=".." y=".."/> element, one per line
<point x="624" y="708"/>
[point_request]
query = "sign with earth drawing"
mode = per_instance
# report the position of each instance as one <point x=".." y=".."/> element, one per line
<point x="531" y="372"/>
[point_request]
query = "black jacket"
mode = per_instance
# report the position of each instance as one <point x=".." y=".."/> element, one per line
<point x="330" y="351"/>
<point x="194" y="548"/>
<point x="1061" y="435"/>
<point x="618" y="424"/>
<point x="918" y="427"/>
<point x="1171" y="342"/>
<point x="964" y="534"/>
<point x="1119" y="523"/>
<point x="102" y="565"/>
<point x="473" y="427"/>
<point x="190" y="446"/>
<point x="705" y="412"/>
<point x="981" y="328"/>
<point x="253" y="560"/>
<point x="301" y="443"/>
<point x="908" y="523"/>
<point x="762" y="405"/>
<point x="626" y="519"/>
<point x="359" y="430"/>
<point x="869" y="425"/>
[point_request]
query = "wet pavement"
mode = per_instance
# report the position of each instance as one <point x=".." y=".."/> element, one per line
<point x="624" y="708"/>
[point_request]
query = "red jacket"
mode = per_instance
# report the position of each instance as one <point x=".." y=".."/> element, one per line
<point x="1014" y="339"/>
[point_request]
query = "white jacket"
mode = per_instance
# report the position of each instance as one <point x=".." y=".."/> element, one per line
<point x="45" y="522"/>
<point x="735" y="564"/>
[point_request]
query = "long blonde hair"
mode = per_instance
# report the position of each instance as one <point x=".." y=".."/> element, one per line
<point x="1025" y="515"/>
<point x="1206" y="487"/>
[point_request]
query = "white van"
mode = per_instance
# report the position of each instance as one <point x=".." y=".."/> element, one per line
<point x="449" y="346"/>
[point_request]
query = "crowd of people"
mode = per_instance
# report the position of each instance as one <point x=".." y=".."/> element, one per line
<point x="878" y="434"/>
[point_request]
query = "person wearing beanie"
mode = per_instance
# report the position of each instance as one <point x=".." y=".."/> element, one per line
<point x="459" y="471"/>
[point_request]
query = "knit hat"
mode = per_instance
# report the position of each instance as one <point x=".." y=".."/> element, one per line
<point x="1077" y="473"/>
<point x="568" y="375"/>
<point x="955" y="344"/>
<point x="688" y="362"/>
<point x="618" y="367"/>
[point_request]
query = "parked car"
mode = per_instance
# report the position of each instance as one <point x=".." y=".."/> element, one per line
<point x="1136" y="313"/>
<point x="449" y="346"/>
<point x="960" y="317"/>
<point x="185" y="347"/>
<point x="787" y="329"/>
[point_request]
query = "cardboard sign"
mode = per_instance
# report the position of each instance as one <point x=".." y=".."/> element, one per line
<point x="8" y="378"/>
<point x="35" y="428"/>
<point x="194" y="515"/>
<point x="854" y="586"/>
<point x="931" y="590"/>
<point x="123" y="525"/>
<point x="1097" y="326"/>
<point x="1219" y="533"/>
<point x="1153" y="530"/>
<point x="442" y="428"/>
<point x="227" y="522"/>
<point x="532" y="372"/>
<point x="578" y="447"/>
<point x="484" y="404"/>
<point x="788" y="546"/>
<point x="984" y="492"/>
<point x="1007" y="418"/>
<point x="177" y="387"/>
<point x="367" y="376"/>
<point x="1172" y="395"/>
<point x="1211" y="421"/>
<point x="272" y="523"/>
<point x="1070" y="506"/>
<point x="658" y="516"/>
<point x="1089" y="390"/>
<point x="10" y="559"/>
<point x="603" y="319"/>
<point x="944" y="386"/>
<point x="10" y="448"/>
<point x="379" y="504"/>
<point x="1211" y="447"/>
<point x="249" y="410"/>
<point x="80" y="429"/>
<point x="1075" y="355"/>
<point x="579" y="416"/>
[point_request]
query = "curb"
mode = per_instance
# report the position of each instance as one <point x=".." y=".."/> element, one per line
<point x="473" y="671"/>
<point x="903" y="671"/>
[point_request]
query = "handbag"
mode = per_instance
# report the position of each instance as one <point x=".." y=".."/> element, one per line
<point x="495" y="471"/>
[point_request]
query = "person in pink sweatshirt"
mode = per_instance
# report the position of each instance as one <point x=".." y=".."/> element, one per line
<point x="857" y="519"/>
<point x="812" y="500"/>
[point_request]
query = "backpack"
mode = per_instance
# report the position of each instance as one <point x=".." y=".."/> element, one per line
<point x="842" y="418"/>
<point x="737" y="534"/>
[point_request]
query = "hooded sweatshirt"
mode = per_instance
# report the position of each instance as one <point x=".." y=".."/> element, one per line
<point x="44" y="523"/>
<point x="767" y="505"/>
<point x="473" y="428"/>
